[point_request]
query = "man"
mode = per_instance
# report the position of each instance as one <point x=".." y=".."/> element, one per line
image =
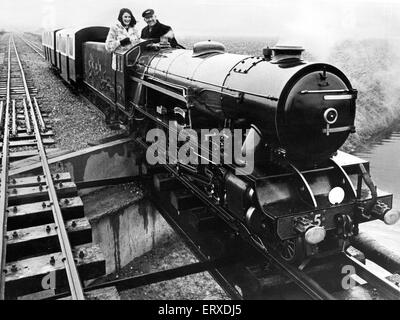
<point x="157" y="30"/>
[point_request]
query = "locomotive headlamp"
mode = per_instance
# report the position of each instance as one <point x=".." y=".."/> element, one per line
<point x="315" y="235"/>
<point x="336" y="195"/>
<point x="391" y="217"/>
<point x="330" y="115"/>
<point x="383" y="212"/>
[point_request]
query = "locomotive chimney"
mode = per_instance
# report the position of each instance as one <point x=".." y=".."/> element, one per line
<point x="286" y="53"/>
<point x="267" y="53"/>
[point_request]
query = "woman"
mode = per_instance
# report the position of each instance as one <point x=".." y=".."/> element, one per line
<point x="122" y="34"/>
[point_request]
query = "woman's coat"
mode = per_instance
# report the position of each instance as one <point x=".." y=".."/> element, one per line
<point x="116" y="34"/>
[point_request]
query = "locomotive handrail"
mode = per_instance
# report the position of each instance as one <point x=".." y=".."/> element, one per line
<point x="163" y="90"/>
<point x="184" y="89"/>
<point x="328" y="91"/>
<point x="167" y="83"/>
<point x="339" y="129"/>
<point x="236" y="96"/>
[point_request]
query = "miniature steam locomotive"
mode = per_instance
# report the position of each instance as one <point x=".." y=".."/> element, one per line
<point x="302" y="197"/>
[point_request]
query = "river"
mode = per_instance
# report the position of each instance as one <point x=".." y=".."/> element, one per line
<point x="384" y="158"/>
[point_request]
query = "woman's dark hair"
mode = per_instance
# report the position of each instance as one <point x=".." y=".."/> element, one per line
<point x="121" y="13"/>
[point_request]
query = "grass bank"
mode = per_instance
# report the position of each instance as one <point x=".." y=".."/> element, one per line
<point x="373" y="66"/>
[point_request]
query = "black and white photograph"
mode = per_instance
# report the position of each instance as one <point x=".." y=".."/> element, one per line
<point x="198" y="154"/>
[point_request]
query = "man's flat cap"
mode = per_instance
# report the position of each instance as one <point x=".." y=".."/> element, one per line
<point x="147" y="13"/>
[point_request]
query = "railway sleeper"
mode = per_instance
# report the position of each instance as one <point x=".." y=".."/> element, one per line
<point x="39" y="240"/>
<point x="22" y="128"/>
<point x="26" y="136"/>
<point x="33" y="181"/>
<point x="20" y="112"/>
<point x="21" y="116"/>
<point x="26" y="195"/>
<point x="20" y="155"/>
<point x="26" y="276"/>
<point x="109" y="293"/>
<point x="39" y="213"/>
<point x="33" y="159"/>
<point x="28" y="142"/>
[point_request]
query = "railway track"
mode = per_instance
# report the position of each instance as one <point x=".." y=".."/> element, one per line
<point x="33" y="46"/>
<point x="40" y="252"/>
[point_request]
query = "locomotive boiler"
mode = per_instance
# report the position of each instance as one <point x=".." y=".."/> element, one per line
<point x="302" y="197"/>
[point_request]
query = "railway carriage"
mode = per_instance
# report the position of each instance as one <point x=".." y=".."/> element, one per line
<point x="61" y="53"/>
<point x="48" y="42"/>
<point x="112" y="86"/>
<point x="46" y="45"/>
<point x="303" y="198"/>
<point x="69" y="44"/>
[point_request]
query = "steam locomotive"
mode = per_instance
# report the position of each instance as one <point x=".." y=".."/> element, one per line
<point x="303" y="197"/>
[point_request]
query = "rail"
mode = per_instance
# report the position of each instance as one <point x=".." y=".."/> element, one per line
<point x="4" y="178"/>
<point x="32" y="46"/>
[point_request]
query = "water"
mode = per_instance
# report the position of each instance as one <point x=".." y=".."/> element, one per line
<point x="384" y="158"/>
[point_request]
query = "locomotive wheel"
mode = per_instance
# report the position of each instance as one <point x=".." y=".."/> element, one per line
<point x="292" y="250"/>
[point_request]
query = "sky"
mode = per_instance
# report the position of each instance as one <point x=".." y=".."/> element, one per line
<point x="299" y="21"/>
